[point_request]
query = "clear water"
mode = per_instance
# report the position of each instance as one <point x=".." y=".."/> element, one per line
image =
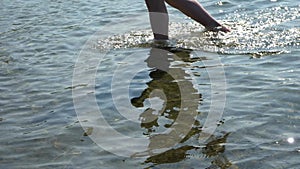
<point x="41" y="41"/>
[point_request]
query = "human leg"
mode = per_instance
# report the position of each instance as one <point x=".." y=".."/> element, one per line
<point x="159" y="18"/>
<point x="194" y="9"/>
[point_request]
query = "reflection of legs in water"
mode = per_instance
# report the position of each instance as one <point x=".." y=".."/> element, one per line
<point x="163" y="81"/>
<point x="167" y="84"/>
<point x="172" y="85"/>
<point x="213" y="149"/>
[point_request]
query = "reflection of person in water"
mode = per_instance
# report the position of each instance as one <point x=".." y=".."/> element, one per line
<point x="175" y="121"/>
<point x="170" y="82"/>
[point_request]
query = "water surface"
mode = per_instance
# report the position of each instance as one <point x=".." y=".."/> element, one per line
<point x="41" y="41"/>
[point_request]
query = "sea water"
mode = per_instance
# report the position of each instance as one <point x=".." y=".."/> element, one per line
<point x="250" y="74"/>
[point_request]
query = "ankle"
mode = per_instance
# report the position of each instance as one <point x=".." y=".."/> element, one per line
<point x="160" y="37"/>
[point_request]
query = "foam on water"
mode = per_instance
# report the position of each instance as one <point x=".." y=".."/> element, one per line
<point x="262" y="32"/>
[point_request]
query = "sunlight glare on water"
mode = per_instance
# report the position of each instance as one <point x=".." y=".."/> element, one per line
<point x="258" y="33"/>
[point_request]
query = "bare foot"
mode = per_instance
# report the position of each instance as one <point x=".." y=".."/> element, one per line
<point x="219" y="28"/>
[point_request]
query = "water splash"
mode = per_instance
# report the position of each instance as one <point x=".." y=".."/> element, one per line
<point x="258" y="33"/>
<point x="128" y="40"/>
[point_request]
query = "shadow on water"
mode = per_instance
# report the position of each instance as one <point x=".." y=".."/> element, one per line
<point x="167" y="80"/>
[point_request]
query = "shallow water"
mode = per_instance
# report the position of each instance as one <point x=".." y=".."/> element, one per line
<point x="41" y="42"/>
